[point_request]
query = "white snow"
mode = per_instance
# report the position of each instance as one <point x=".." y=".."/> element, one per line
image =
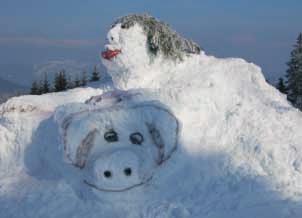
<point x="239" y="153"/>
<point x="20" y="117"/>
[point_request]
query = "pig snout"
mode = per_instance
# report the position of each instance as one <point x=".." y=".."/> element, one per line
<point x="118" y="170"/>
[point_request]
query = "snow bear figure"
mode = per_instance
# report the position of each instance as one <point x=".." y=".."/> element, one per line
<point x="117" y="140"/>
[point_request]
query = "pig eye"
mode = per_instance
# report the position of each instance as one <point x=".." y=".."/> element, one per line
<point x="123" y="26"/>
<point x="111" y="136"/>
<point x="136" y="138"/>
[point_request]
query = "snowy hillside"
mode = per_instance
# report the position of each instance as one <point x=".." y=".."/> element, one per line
<point x="181" y="134"/>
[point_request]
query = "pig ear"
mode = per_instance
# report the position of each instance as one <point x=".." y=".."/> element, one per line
<point x="75" y="153"/>
<point x="83" y="149"/>
<point x="164" y="130"/>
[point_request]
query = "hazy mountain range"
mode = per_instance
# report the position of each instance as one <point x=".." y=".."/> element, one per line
<point x="9" y="89"/>
<point x="14" y="82"/>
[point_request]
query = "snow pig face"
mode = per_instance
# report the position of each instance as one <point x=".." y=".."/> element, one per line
<point x="119" y="148"/>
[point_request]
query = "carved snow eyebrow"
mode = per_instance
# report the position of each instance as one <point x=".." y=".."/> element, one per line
<point x="84" y="149"/>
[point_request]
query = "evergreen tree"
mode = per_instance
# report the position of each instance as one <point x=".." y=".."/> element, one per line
<point x="56" y="82"/>
<point x="40" y="88"/>
<point x="60" y="81"/>
<point x="281" y="86"/>
<point x="84" y="79"/>
<point x="63" y="81"/>
<point x="70" y="84"/>
<point x="77" y="81"/>
<point x="294" y="74"/>
<point x="34" y="88"/>
<point x="45" y="85"/>
<point x="95" y="75"/>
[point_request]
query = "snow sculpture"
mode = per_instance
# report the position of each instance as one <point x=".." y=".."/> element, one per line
<point x="160" y="37"/>
<point x="141" y="40"/>
<point x="225" y="107"/>
<point x="240" y="153"/>
<point x="116" y="140"/>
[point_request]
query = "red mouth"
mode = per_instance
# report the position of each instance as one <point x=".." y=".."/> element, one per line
<point x="109" y="54"/>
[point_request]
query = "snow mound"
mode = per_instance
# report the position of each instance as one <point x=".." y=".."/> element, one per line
<point x="20" y="116"/>
<point x="239" y="151"/>
<point x="225" y="105"/>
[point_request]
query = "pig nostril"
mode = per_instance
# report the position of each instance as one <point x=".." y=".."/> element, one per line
<point x="128" y="171"/>
<point x="107" y="174"/>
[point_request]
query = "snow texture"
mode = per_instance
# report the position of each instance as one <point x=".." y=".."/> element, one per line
<point x="238" y="153"/>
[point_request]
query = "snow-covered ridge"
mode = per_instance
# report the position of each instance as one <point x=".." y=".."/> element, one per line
<point x="239" y="152"/>
<point x="47" y="102"/>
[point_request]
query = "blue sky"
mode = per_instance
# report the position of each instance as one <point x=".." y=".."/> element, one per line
<point x="37" y="31"/>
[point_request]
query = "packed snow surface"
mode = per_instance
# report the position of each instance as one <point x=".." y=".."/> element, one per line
<point x="174" y="138"/>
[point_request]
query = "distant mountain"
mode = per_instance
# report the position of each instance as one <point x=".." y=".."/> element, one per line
<point x="22" y="73"/>
<point x="72" y="68"/>
<point x="9" y="89"/>
<point x="31" y="72"/>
